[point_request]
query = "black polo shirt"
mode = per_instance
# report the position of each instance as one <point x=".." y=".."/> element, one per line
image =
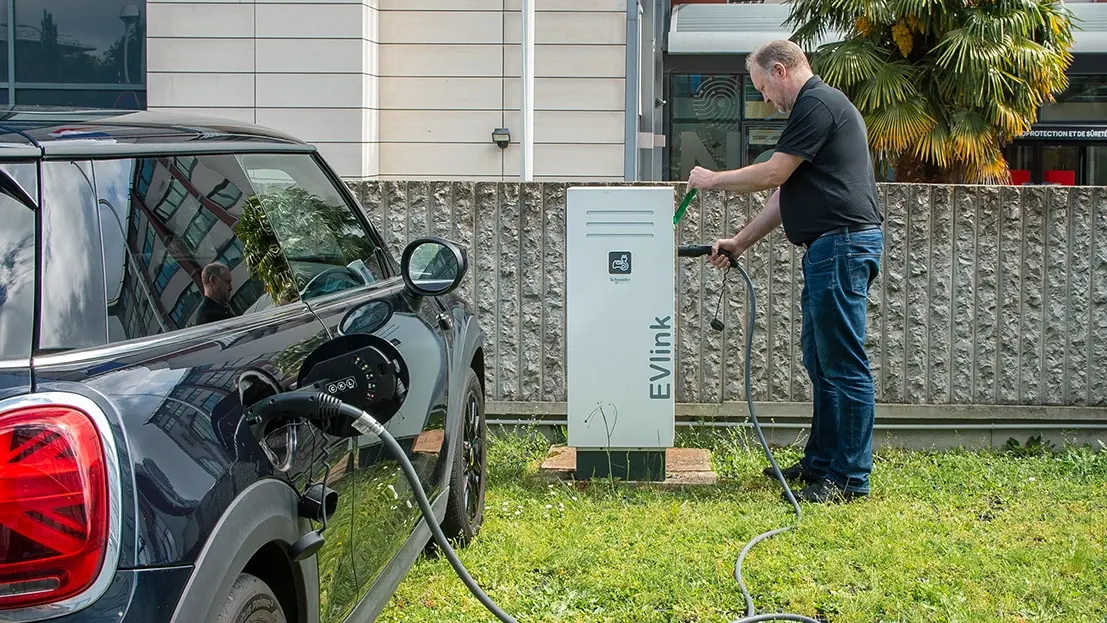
<point x="835" y="186"/>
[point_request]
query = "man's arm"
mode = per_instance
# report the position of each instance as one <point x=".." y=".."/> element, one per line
<point x="766" y="220"/>
<point x="755" y="177"/>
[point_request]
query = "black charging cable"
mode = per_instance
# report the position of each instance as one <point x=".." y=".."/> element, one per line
<point x="321" y="406"/>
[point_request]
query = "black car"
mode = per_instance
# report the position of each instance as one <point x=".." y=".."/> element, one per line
<point x="160" y="275"/>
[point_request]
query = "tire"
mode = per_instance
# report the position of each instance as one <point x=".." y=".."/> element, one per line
<point x="251" y="601"/>
<point x="469" y="475"/>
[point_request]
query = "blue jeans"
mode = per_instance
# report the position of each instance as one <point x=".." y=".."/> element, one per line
<point x="838" y="270"/>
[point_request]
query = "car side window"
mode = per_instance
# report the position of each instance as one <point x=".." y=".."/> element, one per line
<point x="17" y="266"/>
<point x="181" y="246"/>
<point x="72" y="273"/>
<point x="328" y="247"/>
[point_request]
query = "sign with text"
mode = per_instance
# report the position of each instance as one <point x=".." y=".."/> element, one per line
<point x="1067" y="134"/>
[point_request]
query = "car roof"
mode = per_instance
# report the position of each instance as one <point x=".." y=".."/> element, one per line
<point x="58" y="130"/>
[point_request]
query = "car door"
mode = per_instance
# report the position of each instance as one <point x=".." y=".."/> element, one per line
<point x="178" y="235"/>
<point x="335" y="256"/>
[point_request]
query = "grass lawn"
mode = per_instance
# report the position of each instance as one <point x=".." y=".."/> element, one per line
<point x="952" y="536"/>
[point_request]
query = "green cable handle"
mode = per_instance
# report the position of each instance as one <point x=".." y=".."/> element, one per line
<point x="684" y="206"/>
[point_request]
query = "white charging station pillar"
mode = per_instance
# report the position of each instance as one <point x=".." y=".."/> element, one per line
<point x="620" y="330"/>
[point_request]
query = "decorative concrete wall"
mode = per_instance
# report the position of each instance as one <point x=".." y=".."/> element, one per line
<point x="988" y="295"/>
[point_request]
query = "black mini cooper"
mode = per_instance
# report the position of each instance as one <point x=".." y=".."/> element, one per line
<point x="158" y="276"/>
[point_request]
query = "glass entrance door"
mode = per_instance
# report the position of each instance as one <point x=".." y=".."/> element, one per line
<point x="1096" y="166"/>
<point x="1060" y="164"/>
<point x="1064" y="165"/>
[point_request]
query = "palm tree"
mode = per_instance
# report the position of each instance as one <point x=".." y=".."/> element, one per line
<point x="943" y="85"/>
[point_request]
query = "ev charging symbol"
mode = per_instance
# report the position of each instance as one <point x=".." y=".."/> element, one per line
<point x="618" y="262"/>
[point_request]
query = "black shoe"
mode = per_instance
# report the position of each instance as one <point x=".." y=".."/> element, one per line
<point x="795" y="472"/>
<point x="824" y="491"/>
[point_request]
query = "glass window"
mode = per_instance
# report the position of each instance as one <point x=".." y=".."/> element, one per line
<point x="73" y="268"/>
<point x="1097" y="166"/>
<point x="17" y="270"/>
<point x="327" y="245"/>
<point x="706" y="122"/>
<point x="1084" y="100"/>
<point x="761" y="142"/>
<point x="82" y="98"/>
<point x="79" y="42"/>
<point x="755" y="105"/>
<point x="196" y="274"/>
<point x="4" y="49"/>
<point x="706" y="145"/>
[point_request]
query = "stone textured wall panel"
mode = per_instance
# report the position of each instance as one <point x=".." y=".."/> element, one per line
<point x="553" y="297"/>
<point x="779" y="308"/>
<point x="464" y="201"/>
<point x="916" y="351"/>
<point x="507" y="250"/>
<point x="712" y="370"/>
<point x="395" y="234"/>
<point x="759" y="261"/>
<point x="486" y="298"/>
<point x="689" y="277"/>
<point x="978" y="292"/>
<point x="1055" y="297"/>
<point x="941" y="289"/>
<point x="963" y="249"/>
<point x="369" y="196"/>
<point x="417" y="199"/>
<point x="1097" y="342"/>
<point x="1010" y="296"/>
<point x="800" y="385"/>
<point x="1079" y="294"/>
<point x="877" y="295"/>
<point x="441" y="213"/>
<point x="895" y="293"/>
<point x="987" y="295"/>
<point x="1033" y="318"/>
<point x="735" y="300"/>
<point x="531" y="280"/>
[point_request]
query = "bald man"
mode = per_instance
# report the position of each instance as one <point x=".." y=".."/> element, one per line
<point x="217" y="282"/>
<point x="826" y="200"/>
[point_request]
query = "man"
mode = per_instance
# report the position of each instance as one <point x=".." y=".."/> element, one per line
<point x="217" y="282"/>
<point x="826" y="201"/>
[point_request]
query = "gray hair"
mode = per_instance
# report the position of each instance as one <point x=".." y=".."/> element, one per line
<point x="780" y="51"/>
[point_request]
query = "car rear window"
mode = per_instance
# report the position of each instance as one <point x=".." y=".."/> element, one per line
<point x="17" y="266"/>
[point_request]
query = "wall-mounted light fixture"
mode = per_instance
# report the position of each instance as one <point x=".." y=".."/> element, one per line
<point x="501" y="137"/>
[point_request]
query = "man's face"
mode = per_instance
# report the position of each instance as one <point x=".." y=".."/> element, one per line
<point x="773" y="86"/>
<point x="219" y="288"/>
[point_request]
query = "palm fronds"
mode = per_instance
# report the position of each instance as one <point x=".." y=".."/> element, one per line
<point x="948" y="82"/>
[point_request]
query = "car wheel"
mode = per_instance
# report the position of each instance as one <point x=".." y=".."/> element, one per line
<point x="251" y="601"/>
<point x="465" y="511"/>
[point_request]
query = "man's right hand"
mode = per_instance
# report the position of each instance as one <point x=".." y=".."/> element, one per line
<point x="727" y="244"/>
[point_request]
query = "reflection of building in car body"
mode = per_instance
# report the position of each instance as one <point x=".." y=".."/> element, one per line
<point x="178" y="212"/>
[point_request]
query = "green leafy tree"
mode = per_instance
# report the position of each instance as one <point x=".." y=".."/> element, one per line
<point x="943" y="85"/>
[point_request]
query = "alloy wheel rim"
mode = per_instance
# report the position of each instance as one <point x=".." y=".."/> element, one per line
<point x="473" y="448"/>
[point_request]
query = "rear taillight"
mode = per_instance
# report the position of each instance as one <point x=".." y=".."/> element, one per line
<point x="53" y="504"/>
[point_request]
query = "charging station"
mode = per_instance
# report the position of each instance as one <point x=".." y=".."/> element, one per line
<point x="620" y="330"/>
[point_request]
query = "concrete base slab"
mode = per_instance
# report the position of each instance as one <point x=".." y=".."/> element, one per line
<point x="683" y="466"/>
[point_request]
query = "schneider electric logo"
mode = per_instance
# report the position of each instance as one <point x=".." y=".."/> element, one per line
<point x="618" y="262"/>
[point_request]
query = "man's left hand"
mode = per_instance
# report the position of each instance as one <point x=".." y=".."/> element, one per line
<point x="702" y="178"/>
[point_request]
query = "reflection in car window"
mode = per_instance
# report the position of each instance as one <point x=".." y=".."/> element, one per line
<point x="327" y="245"/>
<point x="72" y="273"/>
<point x="17" y="269"/>
<point x="180" y="248"/>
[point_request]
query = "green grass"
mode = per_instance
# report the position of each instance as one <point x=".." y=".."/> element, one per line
<point x="953" y="536"/>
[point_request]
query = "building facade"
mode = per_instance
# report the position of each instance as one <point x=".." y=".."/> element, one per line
<point x="717" y="119"/>
<point x="414" y="89"/>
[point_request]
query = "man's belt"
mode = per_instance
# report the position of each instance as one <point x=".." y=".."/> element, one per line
<point x="846" y="229"/>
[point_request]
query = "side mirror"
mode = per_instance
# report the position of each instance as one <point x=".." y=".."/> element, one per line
<point x="433" y="266"/>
